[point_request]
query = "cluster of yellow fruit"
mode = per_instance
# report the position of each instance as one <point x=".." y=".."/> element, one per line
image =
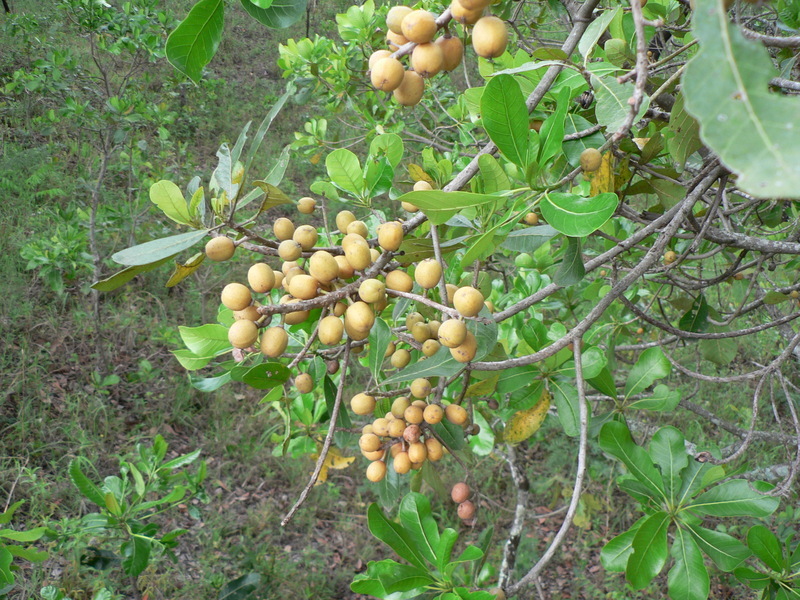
<point x="405" y="431"/>
<point x="429" y="57"/>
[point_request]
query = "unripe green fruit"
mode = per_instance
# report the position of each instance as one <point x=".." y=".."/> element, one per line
<point x="417" y="452"/>
<point x="331" y="330"/>
<point x="524" y="260"/>
<point x="304" y="383"/>
<point x="427" y="59"/>
<point x="220" y="248"/>
<point x="419" y="26"/>
<point x="261" y="278"/>
<point x="236" y="296"/>
<point x="369" y="442"/>
<point x="395" y="16"/>
<point x="430" y="347"/>
<point x="400" y="358"/>
<point x="591" y="159"/>
<point x="376" y="471"/>
<point x="306" y="205"/>
<point x="428" y="273"/>
<point x="359" y="228"/>
<point x="390" y="348"/>
<point x="345" y="217"/>
<point x="452" y="333"/>
<point x="390" y="235"/>
<point x="400" y="281"/>
<point x="452" y="51"/>
<point x="456" y="414"/>
<point x="466" y="510"/>
<point x="433" y="414"/>
<point x="402" y="463"/>
<point x="489" y="37"/>
<point x="303" y="287"/>
<point x="387" y="74"/>
<point x="468" y="301"/>
<point x="243" y="334"/>
<point x="323" y="267"/>
<point x="372" y="290"/>
<point x="467" y="350"/>
<point x="290" y="250"/>
<point x="306" y="236"/>
<point x="420" y="388"/>
<point x="274" y="341"/>
<point x="362" y="404"/>
<point x="283" y="229"/>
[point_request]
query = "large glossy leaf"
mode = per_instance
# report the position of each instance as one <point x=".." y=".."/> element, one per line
<point x="685" y="139"/>
<point x="168" y="197"/>
<point x="726" y="551"/>
<point x="529" y="239"/>
<point x="612" y="108"/>
<point x="652" y="365"/>
<point x="120" y="278"/>
<point x="415" y="515"/>
<point x="492" y="174"/>
<point x="344" y="169"/>
<point x="766" y="547"/>
<point x="649" y="551"/>
<point x="395" y="536"/>
<point x="379" y="337"/>
<point x="195" y="40"/>
<point x="615" y="438"/>
<point x="570" y="270"/>
<point x="565" y="397"/>
<point x="279" y="14"/>
<point x="688" y="577"/>
<point x="157" y="250"/>
<point x="390" y="579"/>
<point x="439" y="206"/>
<point x="85" y="485"/>
<point x="136" y="555"/>
<point x="614" y="555"/>
<point x="505" y="118"/>
<point x="668" y="451"/>
<point x="575" y="215"/>
<point x="206" y="340"/>
<point x="736" y="498"/>
<point x="663" y="399"/>
<point x="266" y="376"/>
<point x="552" y="131"/>
<point x="753" y="130"/>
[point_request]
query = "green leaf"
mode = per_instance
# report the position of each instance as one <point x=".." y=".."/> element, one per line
<point x="393" y="535"/>
<point x="439" y="206"/>
<point x="446" y="542"/>
<point x="29" y="554"/>
<point x="492" y="174"/>
<point x="389" y="145"/>
<point x="565" y="397"/>
<point x="441" y="364"/>
<point x="571" y="269"/>
<point x="615" y="438"/>
<point x="240" y="588"/>
<point x="753" y="579"/>
<point x="264" y="126"/>
<point x="206" y="340"/>
<point x="766" y="547"/>
<point x="594" y="31"/>
<point x="552" y="131"/>
<point x="696" y="318"/>
<point x="379" y="337"/>
<point x="120" y="278"/>
<point x="576" y="216"/>
<point x="84" y="484"/>
<point x="280" y="14"/>
<point x="611" y="97"/>
<point x="181" y="461"/>
<point x="272" y="196"/>
<point x="168" y="197"/>
<point x="390" y="579"/>
<point x="735" y="498"/>
<point x="649" y="551"/>
<point x="529" y="239"/>
<point x="688" y="577"/>
<point x="451" y="434"/>
<point x="505" y="118"/>
<point x="266" y="376"/>
<point x="614" y="555"/>
<point x="157" y="250"/>
<point x="5" y="517"/>
<point x="652" y="365"/>
<point x="692" y="480"/>
<point x="30" y="535"/>
<point x="751" y="129"/>
<point x="668" y="451"/>
<point x="720" y="351"/>
<point x="190" y="361"/>
<point x="6" y="576"/>
<point x="136" y="554"/>
<point x="194" y="42"/>
<point x="663" y="399"/>
<point x="345" y="171"/>
<point x="726" y="551"/>
<point x="415" y="515"/>
<point x="604" y="383"/>
<point x="685" y="140"/>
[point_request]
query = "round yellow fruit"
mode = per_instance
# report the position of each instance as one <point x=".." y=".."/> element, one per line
<point x="427" y="59"/>
<point x="261" y="278"/>
<point x="304" y="383"/>
<point x="390" y="235"/>
<point x="306" y="236"/>
<point x="390" y="348"/>
<point x="359" y="316"/>
<point x="402" y="463"/>
<point x="369" y="442"/>
<point x="303" y="287"/>
<point x="249" y="313"/>
<point x="422" y="186"/>
<point x="394" y="18"/>
<point x="373" y="58"/>
<point x="279" y="277"/>
<point x="396" y="428"/>
<point x="220" y="248"/>
<point x="456" y="414"/>
<point x="243" y="334"/>
<point x="345" y="217"/>
<point x="236" y="296"/>
<point x="274" y="341"/>
<point x="420" y="388"/>
<point x="430" y="347"/>
<point x="399" y="406"/>
<point x="467" y="350"/>
<point x="463" y="15"/>
<point x="475" y="4"/>
<point x="413" y="414"/>
<point x="532" y="218"/>
<point x="452" y="51"/>
<point x="362" y="404"/>
<point x="372" y="290"/>
<point x="417" y="452"/>
<point x="407" y="206"/>
<point x="306" y="205"/>
<point x="400" y="358"/>
<point x="409" y="93"/>
<point x="419" y="26"/>
<point x="433" y="414"/>
<point x="376" y="471"/>
<point x="346" y="270"/>
<point x="323" y="267"/>
<point x="468" y="301"/>
<point x="435" y="449"/>
<point x="434" y="325"/>
<point x="331" y="330"/>
<point x="290" y="250"/>
<point x="387" y="74"/>
<point x="489" y="37"/>
<point x="428" y="273"/>
<point x="380" y="427"/>
<point x="412" y="319"/>
<point x="395" y="40"/>
<point x="452" y="333"/>
<point x="400" y="281"/>
<point x="591" y="159"/>
<point x="356" y="251"/>
<point x="359" y="228"/>
<point x="451" y="292"/>
<point x="670" y="257"/>
<point x="283" y="229"/>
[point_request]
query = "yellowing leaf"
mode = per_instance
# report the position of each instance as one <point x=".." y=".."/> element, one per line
<point x="602" y="180"/>
<point x="182" y="271"/>
<point x="418" y="174"/>
<point x="525" y="423"/>
<point x="483" y="388"/>
<point x="334" y="460"/>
